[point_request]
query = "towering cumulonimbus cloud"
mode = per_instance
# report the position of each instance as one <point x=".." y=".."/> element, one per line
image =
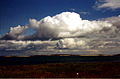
<point x="66" y="24"/>
<point x="62" y="24"/>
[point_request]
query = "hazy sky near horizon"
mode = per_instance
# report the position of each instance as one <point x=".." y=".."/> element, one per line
<point x="18" y="12"/>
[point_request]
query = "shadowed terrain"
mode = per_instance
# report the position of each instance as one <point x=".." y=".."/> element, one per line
<point x="60" y="66"/>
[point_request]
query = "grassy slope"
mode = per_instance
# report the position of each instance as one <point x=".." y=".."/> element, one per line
<point x="84" y="70"/>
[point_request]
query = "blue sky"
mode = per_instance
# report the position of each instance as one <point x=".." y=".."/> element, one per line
<point x="18" y="12"/>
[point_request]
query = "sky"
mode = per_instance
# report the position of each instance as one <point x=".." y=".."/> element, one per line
<point x="18" y="12"/>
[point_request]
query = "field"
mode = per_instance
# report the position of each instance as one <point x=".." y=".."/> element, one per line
<point x="62" y="70"/>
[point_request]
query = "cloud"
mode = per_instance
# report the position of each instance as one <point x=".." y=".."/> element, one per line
<point x="72" y="9"/>
<point x="15" y="33"/>
<point x="111" y="4"/>
<point x="115" y="20"/>
<point x="17" y="30"/>
<point x="72" y="43"/>
<point x="65" y="24"/>
<point x="84" y="13"/>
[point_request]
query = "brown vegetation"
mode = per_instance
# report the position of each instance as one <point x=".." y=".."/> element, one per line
<point x="63" y="70"/>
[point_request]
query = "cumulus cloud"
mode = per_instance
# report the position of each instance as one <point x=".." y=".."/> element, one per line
<point x="72" y="43"/>
<point x="17" y="30"/>
<point x="65" y="24"/>
<point x="115" y="20"/>
<point x="111" y="4"/>
<point x="15" y="33"/>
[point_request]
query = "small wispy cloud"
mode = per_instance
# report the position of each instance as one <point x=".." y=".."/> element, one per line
<point x="110" y="4"/>
<point x="84" y="13"/>
<point x="72" y="9"/>
<point x="81" y="12"/>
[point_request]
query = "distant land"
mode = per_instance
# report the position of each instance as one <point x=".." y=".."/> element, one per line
<point x="60" y="67"/>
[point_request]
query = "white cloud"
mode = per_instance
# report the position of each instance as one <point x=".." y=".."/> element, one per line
<point x="115" y="20"/>
<point x="65" y="24"/>
<point x="17" y="30"/>
<point x="72" y="43"/>
<point x="111" y="4"/>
